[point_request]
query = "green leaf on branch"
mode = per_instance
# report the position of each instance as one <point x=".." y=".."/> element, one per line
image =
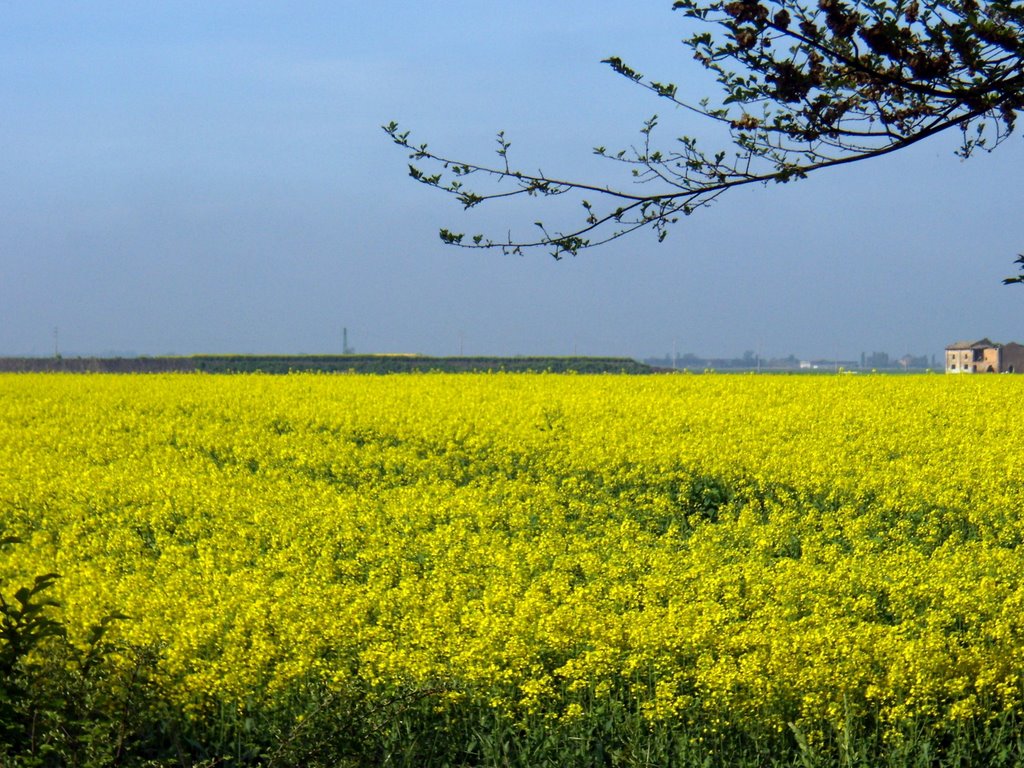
<point x="451" y="238"/>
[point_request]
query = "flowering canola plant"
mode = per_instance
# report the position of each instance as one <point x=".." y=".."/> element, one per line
<point x="724" y="551"/>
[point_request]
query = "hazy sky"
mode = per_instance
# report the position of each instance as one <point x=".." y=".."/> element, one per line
<point x="190" y="177"/>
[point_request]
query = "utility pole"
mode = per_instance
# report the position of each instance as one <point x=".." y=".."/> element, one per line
<point x="56" y="342"/>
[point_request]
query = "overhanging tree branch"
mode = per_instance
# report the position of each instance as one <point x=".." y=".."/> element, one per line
<point x="805" y="86"/>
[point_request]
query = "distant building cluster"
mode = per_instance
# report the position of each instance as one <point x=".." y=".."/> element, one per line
<point x="750" y="361"/>
<point x="984" y="356"/>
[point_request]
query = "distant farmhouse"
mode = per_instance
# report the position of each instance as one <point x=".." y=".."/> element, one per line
<point x="984" y="356"/>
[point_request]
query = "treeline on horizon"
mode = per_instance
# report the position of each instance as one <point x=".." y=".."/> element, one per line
<point x="279" y="364"/>
<point x="387" y="363"/>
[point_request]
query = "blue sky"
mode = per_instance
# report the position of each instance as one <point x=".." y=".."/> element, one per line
<point x="190" y="177"/>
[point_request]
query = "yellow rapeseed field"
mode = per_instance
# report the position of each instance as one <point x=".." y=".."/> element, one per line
<point x="733" y="550"/>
